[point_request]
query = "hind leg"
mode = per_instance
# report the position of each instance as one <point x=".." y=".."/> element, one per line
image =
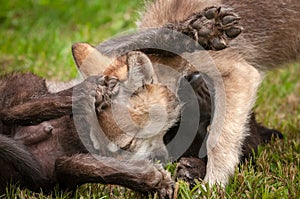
<point x="139" y="175"/>
<point x="210" y="29"/>
<point x="18" y="165"/>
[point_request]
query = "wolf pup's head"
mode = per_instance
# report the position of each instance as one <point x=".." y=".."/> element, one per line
<point x="141" y="113"/>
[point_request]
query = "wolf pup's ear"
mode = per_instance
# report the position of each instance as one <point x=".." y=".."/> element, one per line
<point x="140" y="70"/>
<point x="89" y="60"/>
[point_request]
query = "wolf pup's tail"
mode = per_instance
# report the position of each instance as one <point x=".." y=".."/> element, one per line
<point x="18" y="166"/>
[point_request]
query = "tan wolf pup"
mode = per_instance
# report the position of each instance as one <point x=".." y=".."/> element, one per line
<point x="271" y="32"/>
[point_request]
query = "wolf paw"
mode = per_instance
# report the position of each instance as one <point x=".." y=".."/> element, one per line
<point x="189" y="169"/>
<point x="106" y="87"/>
<point x="213" y="27"/>
<point x="93" y="92"/>
<point x="166" y="184"/>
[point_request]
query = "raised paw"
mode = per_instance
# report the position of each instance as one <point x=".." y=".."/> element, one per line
<point x="93" y="93"/>
<point x="189" y="169"/>
<point x="108" y="84"/>
<point x="213" y="27"/>
<point x="106" y="88"/>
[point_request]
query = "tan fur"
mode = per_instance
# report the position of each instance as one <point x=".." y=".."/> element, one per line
<point x="271" y="33"/>
<point x="162" y="12"/>
<point x="135" y="122"/>
<point x="127" y="130"/>
<point x="117" y="69"/>
<point x="271" y="37"/>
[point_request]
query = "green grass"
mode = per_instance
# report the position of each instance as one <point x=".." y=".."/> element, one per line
<point x="36" y="36"/>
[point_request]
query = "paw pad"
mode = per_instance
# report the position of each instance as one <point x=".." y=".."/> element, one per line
<point x="212" y="28"/>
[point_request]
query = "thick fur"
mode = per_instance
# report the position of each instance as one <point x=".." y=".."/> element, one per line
<point x="271" y="31"/>
<point x="149" y="112"/>
<point x="238" y="65"/>
<point x="40" y="155"/>
<point x="14" y="157"/>
<point x="270" y="38"/>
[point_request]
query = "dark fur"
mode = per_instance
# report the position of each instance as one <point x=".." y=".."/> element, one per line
<point x="61" y="158"/>
<point x="270" y="38"/>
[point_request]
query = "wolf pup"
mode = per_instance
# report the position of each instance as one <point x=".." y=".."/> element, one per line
<point x="40" y="147"/>
<point x="39" y="143"/>
<point x="270" y="37"/>
<point x="38" y="154"/>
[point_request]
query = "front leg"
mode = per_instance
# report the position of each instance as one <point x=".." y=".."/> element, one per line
<point x="141" y="175"/>
<point x="233" y="101"/>
<point x="234" y="86"/>
<point x="94" y="90"/>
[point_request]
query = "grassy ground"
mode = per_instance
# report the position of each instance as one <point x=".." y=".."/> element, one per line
<point x="36" y="36"/>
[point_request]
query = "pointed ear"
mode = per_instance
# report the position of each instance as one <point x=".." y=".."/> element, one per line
<point x="89" y="60"/>
<point x="140" y="70"/>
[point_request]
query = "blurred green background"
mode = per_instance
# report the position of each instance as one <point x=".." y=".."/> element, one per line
<point x="36" y="36"/>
